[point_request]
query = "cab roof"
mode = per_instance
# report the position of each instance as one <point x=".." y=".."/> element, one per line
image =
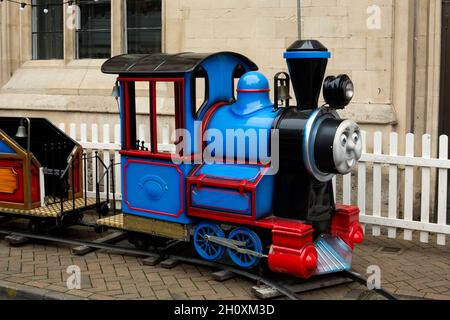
<point x="163" y="64"/>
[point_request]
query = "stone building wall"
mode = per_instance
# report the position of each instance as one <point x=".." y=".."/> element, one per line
<point x="360" y="35"/>
<point x="383" y="58"/>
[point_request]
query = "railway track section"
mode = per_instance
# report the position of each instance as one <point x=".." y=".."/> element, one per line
<point x="273" y="288"/>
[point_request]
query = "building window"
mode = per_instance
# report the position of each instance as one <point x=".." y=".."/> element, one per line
<point x="47" y="29"/>
<point x="94" y="29"/>
<point x="143" y="26"/>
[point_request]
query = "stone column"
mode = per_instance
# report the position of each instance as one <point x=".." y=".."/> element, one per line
<point x="117" y="27"/>
<point x="70" y="21"/>
<point x="174" y="16"/>
<point x="14" y="35"/>
<point x="4" y="44"/>
<point x="26" y="43"/>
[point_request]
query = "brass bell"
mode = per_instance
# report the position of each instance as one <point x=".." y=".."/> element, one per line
<point x="282" y="81"/>
<point x="283" y="92"/>
<point x="21" y="131"/>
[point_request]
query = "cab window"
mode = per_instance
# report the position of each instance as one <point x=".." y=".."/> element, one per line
<point x="152" y="113"/>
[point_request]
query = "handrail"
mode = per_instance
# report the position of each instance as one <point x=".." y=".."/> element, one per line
<point x="64" y="186"/>
<point x="105" y="177"/>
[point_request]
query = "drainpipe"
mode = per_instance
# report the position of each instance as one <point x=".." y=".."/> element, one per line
<point x="299" y="20"/>
<point x="414" y="66"/>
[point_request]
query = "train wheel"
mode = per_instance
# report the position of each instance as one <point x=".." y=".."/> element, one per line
<point x="157" y="242"/>
<point x="206" y="249"/>
<point x="100" y="229"/>
<point x="36" y="226"/>
<point x="104" y="210"/>
<point x="252" y="242"/>
<point x="140" y="241"/>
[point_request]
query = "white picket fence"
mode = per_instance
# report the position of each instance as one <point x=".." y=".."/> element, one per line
<point x="392" y="218"/>
<point x="108" y="149"/>
<point x="401" y="186"/>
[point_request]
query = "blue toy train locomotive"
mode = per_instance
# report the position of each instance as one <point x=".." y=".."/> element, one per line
<point x="281" y="212"/>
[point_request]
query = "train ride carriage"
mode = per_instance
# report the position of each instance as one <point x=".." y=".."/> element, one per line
<point x="284" y="216"/>
<point x="41" y="174"/>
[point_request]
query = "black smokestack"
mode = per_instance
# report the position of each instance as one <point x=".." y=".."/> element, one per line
<point x="307" y="61"/>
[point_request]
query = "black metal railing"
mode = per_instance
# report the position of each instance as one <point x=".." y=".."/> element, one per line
<point x="107" y="179"/>
<point x="54" y="164"/>
<point x="61" y="186"/>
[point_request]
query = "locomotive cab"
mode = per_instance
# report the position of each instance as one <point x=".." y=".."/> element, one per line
<point x="154" y="176"/>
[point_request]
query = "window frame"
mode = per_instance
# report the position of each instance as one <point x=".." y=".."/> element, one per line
<point x="78" y="29"/>
<point x="129" y="116"/>
<point x="125" y="27"/>
<point x="34" y="26"/>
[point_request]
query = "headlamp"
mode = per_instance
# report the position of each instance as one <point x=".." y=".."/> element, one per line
<point x="338" y="91"/>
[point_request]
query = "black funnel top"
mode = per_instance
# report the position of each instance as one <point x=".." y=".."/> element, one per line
<point x="307" y="61"/>
<point x="307" y="45"/>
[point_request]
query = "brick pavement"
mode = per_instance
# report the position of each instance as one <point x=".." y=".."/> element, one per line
<point x="417" y="270"/>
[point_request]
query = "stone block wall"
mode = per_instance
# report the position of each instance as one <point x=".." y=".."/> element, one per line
<point x="377" y="54"/>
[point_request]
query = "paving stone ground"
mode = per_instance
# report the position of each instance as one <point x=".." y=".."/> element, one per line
<point x="409" y="269"/>
<point x="417" y="270"/>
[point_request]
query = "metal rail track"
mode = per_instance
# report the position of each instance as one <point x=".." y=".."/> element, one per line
<point x="188" y="260"/>
<point x="358" y="278"/>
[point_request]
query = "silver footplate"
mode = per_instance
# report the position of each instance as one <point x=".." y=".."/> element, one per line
<point x="334" y="255"/>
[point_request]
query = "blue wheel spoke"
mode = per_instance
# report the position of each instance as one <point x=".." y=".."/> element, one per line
<point x="251" y="242"/>
<point x="206" y="249"/>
